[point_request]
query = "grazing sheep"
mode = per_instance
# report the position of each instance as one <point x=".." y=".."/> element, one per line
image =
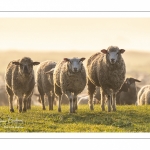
<point x="128" y="93"/>
<point x="107" y="71"/>
<point x="143" y="97"/>
<point x="69" y="79"/>
<point x="85" y="99"/>
<point x="45" y="82"/>
<point x="20" y="81"/>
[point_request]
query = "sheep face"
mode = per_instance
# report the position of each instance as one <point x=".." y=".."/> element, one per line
<point x="50" y="76"/>
<point x="74" y="64"/>
<point x="132" y="80"/>
<point x="132" y="86"/>
<point x="25" y="65"/>
<point x="113" y="54"/>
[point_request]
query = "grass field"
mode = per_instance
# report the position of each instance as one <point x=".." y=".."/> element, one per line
<point x="126" y="119"/>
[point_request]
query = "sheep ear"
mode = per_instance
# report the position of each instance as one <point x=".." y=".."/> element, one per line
<point x="136" y="80"/>
<point x="36" y="63"/>
<point x="15" y="63"/>
<point x="104" y="51"/>
<point x="50" y="72"/>
<point x="128" y="81"/>
<point x="66" y="59"/>
<point x="122" y="51"/>
<point x="82" y="59"/>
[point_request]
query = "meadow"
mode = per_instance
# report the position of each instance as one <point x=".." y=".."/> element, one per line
<point x="125" y="119"/>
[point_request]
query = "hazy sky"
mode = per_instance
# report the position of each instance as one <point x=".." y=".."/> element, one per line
<point x="74" y="33"/>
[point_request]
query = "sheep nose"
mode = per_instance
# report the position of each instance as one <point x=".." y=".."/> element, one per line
<point x="75" y="69"/>
<point x="112" y="60"/>
<point x="25" y="69"/>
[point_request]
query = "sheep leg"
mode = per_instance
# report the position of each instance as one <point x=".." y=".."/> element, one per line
<point x="49" y="101"/>
<point x="52" y="100"/>
<point x="74" y="103"/>
<point x="70" y="97"/>
<point x="20" y="104"/>
<point x="25" y="104"/>
<point x="59" y="103"/>
<point x="109" y="102"/>
<point x="17" y="103"/>
<point x="29" y="103"/>
<point x="10" y="97"/>
<point x="43" y="104"/>
<point x="91" y="90"/>
<point x="76" y="106"/>
<point x="102" y="100"/>
<point x="114" y="102"/>
<point x="42" y="97"/>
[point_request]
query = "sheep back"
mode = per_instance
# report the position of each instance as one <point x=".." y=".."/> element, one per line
<point x="68" y="81"/>
<point x="17" y="83"/>
<point x="107" y="76"/>
<point x="42" y="79"/>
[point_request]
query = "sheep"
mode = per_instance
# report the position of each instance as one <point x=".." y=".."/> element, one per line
<point x="106" y="69"/>
<point x="143" y="97"/>
<point x="20" y="81"/>
<point x="70" y="80"/>
<point x="45" y="82"/>
<point x="85" y="99"/>
<point x="128" y="92"/>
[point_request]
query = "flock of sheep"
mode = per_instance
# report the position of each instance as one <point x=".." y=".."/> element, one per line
<point x="104" y="76"/>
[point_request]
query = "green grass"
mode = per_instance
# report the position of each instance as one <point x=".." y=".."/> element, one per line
<point x="125" y="119"/>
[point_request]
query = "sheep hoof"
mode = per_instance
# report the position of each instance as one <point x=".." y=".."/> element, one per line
<point x="103" y="108"/>
<point x="109" y="110"/>
<point x="20" y="110"/>
<point x="29" y="108"/>
<point x="72" y="112"/>
<point x="91" y="107"/>
<point x="114" y="109"/>
<point x="11" y="110"/>
<point x="59" y="109"/>
<point x="50" y="108"/>
<point x="24" y="110"/>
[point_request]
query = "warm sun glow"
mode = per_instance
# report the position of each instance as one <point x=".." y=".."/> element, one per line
<point x="74" y="33"/>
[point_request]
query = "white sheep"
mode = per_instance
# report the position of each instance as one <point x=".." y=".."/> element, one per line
<point x="69" y="79"/>
<point x="107" y="71"/>
<point x="20" y="81"/>
<point x="143" y="97"/>
<point x="45" y="82"/>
